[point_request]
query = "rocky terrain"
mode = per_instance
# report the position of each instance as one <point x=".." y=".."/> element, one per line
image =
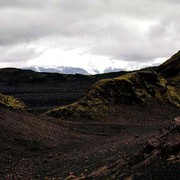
<point x="126" y="126"/>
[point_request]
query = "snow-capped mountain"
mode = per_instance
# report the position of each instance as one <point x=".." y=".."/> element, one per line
<point x="61" y="69"/>
<point x="72" y="70"/>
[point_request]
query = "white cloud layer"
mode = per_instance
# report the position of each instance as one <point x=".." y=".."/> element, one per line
<point x="132" y="32"/>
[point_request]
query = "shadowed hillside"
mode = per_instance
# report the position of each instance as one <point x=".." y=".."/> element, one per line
<point x="45" y="91"/>
<point x="171" y="68"/>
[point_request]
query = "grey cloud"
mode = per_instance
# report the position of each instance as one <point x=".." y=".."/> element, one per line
<point x="23" y="3"/>
<point x="17" y="54"/>
<point x="103" y="27"/>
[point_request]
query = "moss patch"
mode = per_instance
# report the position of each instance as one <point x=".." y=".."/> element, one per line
<point x="11" y="102"/>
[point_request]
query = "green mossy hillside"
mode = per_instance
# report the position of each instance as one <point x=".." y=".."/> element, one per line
<point x="139" y="87"/>
<point x="10" y="102"/>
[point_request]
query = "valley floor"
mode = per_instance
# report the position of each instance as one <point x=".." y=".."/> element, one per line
<point x="39" y="147"/>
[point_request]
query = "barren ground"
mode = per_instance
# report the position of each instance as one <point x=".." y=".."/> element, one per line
<point x="35" y="146"/>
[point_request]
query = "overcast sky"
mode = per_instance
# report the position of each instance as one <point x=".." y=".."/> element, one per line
<point x="96" y="33"/>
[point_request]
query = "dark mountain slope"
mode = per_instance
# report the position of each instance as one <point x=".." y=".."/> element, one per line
<point x="171" y="68"/>
<point x="133" y="88"/>
<point x="45" y="91"/>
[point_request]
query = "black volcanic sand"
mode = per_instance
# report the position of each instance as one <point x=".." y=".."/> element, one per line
<point x="39" y="147"/>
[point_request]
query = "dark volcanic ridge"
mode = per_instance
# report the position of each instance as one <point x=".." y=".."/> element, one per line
<point x="44" y="91"/>
<point x="171" y="68"/>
